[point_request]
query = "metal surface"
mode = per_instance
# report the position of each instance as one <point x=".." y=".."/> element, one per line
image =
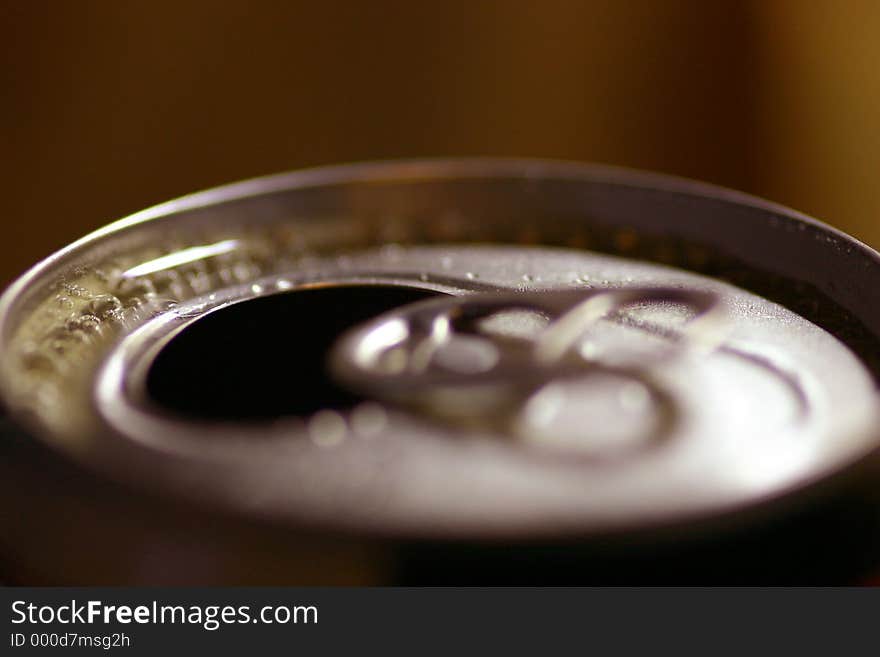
<point x="570" y="387"/>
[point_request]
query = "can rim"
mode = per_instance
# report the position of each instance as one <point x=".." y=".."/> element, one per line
<point x="413" y="169"/>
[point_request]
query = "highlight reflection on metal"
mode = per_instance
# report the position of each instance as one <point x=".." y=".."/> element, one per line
<point x="448" y="359"/>
<point x="183" y="257"/>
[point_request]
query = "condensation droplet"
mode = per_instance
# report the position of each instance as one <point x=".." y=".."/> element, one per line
<point x="327" y="428"/>
<point x="131" y="287"/>
<point x="86" y="323"/>
<point x="104" y="306"/>
<point x="75" y="291"/>
<point x="246" y="270"/>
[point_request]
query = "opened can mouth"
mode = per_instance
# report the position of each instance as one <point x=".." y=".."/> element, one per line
<point x="466" y="349"/>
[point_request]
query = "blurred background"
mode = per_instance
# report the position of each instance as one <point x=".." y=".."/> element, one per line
<point x="107" y="107"/>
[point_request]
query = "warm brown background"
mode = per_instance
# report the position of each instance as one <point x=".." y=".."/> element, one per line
<point x="107" y="107"/>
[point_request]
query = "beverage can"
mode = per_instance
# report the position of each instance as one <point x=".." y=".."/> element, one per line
<point x="451" y="371"/>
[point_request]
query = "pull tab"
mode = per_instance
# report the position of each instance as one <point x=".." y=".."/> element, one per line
<point x="512" y="362"/>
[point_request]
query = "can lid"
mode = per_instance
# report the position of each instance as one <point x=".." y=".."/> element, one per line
<point x="560" y="383"/>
